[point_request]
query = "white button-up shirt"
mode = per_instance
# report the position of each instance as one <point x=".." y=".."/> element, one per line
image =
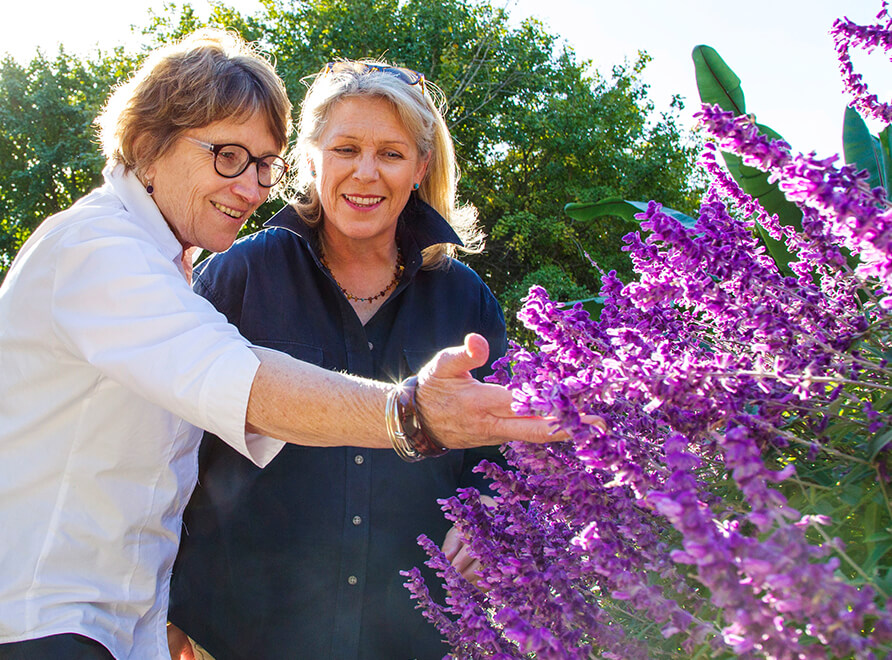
<point x="109" y="367"/>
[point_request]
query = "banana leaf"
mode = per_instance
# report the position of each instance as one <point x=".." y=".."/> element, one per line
<point x="719" y="85"/>
<point x="622" y="208"/>
<point x="885" y="141"/>
<point x="716" y="82"/>
<point x="863" y="150"/>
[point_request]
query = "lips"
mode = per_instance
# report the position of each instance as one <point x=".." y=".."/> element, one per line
<point x="232" y="213"/>
<point x="363" y="201"/>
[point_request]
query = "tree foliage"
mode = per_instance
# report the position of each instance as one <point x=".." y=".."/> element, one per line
<point x="48" y="155"/>
<point x="535" y="128"/>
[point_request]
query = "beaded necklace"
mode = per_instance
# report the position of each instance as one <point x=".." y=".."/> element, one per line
<point x="397" y="274"/>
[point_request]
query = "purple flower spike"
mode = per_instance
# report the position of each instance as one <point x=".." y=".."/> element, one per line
<point x="747" y="414"/>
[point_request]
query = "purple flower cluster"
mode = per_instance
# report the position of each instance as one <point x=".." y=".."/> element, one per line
<point x="838" y="205"/>
<point x="847" y="34"/>
<point x="727" y="389"/>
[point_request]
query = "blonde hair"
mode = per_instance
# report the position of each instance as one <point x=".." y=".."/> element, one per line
<point x="210" y="75"/>
<point x="419" y="108"/>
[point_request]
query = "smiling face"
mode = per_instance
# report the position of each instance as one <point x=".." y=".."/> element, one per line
<point x="203" y="208"/>
<point x="366" y="165"/>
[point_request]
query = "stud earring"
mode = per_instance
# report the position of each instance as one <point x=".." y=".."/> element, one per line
<point x="150" y="188"/>
<point x="313" y="173"/>
<point x="415" y="187"/>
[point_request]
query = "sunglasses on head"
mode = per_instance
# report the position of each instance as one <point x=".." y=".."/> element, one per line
<point x="408" y="76"/>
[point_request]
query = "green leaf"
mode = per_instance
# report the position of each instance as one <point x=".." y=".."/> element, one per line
<point x="885" y="402"/>
<point x="716" y="82"/>
<point x="592" y="305"/>
<point x="882" y="535"/>
<point x="862" y="149"/>
<point x="878" y="552"/>
<point x="754" y="182"/>
<point x="878" y="443"/>
<point x="885" y="582"/>
<point x="885" y="142"/>
<point x="585" y="211"/>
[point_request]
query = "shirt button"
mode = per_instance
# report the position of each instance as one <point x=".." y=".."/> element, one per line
<point x="357" y="520"/>
<point x="371" y="346"/>
<point x="358" y="459"/>
<point x="352" y="580"/>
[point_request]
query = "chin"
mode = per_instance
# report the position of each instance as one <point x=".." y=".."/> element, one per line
<point x="220" y="244"/>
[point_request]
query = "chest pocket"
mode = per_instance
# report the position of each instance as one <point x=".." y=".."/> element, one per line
<point x="413" y="360"/>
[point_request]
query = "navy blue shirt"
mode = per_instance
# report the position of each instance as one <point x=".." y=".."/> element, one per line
<point x="302" y="559"/>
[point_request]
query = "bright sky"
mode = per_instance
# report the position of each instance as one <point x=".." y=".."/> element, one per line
<point x="780" y="49"/>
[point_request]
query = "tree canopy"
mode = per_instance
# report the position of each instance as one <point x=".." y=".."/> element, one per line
<point x="534" y="127"/>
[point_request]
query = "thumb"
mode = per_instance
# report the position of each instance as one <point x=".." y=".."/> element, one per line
<point x="458" y="361"/>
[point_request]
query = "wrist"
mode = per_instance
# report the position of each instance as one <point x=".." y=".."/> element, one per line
<point x="409" y="437"/>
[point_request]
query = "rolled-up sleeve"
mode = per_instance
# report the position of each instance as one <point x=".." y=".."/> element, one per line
<point x="123" y="307"/>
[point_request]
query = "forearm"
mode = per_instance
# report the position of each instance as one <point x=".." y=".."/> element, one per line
<point x="304" y="404"/>
<point x="307" y="405"/>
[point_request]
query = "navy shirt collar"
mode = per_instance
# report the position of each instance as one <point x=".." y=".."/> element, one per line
<point x="420" y="219"/>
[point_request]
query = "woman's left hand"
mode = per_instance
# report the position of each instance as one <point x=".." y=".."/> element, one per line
<point x="456" y="552"/>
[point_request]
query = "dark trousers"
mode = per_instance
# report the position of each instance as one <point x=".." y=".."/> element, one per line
<point x="56" y="647"/>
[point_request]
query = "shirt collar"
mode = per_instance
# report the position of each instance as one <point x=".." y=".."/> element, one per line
<point x="141" y="206"/>
<point x="419" y="219"/>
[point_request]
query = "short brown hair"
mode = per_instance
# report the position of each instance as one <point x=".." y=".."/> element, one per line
<point x="210" y="75"/>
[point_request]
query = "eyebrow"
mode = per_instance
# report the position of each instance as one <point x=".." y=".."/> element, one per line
<point x="351" y="136"/>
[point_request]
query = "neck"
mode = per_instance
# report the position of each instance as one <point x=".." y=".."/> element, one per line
<point x="359" y="255"/>
<point x="368" y="278"/>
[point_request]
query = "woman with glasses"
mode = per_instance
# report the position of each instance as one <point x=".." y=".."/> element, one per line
<point x="302" y="559"/>
<point x="110" y="364"/>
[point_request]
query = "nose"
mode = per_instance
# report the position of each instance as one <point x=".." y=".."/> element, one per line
<point x="246" y="186"/>
<point x="366" y="167"/>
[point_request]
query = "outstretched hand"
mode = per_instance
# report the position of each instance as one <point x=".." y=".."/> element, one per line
<point x="461" y="412"/>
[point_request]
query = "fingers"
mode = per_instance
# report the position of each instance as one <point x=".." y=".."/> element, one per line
<point x="459" y="412"/>
<point x="466" y="565"/>
<point x="457" y="554"/>
<point x="452" y="544"/>
<point x="537" y="430"/>
<point x="596" y="421"/>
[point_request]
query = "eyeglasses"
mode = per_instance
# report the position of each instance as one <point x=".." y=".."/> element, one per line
<point x="408" y="76"/>
<point x="230" y="160"/>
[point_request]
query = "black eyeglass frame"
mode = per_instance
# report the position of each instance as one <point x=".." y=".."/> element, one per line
<point x="408" y="76"/>
<point x="217" y="148"/>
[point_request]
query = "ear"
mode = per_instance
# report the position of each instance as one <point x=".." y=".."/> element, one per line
<point x="421" y="170"/>
<point x="148" y="174"/>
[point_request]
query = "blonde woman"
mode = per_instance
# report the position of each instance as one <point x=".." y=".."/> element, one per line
<point x="303" y="558"/>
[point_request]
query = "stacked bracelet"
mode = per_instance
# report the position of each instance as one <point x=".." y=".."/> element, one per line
<point x="407" y="435"/>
